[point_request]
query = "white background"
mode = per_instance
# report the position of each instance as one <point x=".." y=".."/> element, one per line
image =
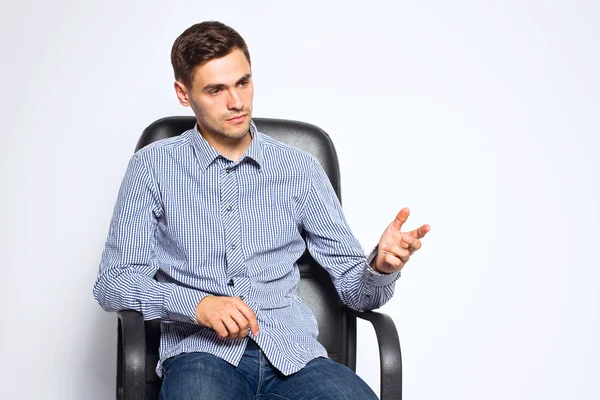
<point x="481" y="116"/>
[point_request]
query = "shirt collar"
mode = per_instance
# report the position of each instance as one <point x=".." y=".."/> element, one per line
<point x="206" y="154"/>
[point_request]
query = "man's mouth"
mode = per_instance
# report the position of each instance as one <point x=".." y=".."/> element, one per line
<point x="237" y="119"/>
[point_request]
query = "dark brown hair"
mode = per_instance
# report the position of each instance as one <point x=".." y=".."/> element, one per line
<point x="201" y="43"/>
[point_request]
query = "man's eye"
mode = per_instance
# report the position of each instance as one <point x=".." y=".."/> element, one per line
<point x="243" y="83"/>
<point x="214" y="92"/>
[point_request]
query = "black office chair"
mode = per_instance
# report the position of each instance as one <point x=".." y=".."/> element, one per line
<point x="138" y="340"/>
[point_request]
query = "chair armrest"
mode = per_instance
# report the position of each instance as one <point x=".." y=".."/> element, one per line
<point x="131" y="356"/>
<point x="390" y="356"/>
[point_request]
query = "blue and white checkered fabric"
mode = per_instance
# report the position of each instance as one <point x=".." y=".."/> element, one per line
<point x="189" y="222"/>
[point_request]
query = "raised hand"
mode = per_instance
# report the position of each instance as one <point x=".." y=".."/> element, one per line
<point x="395" y="247"/>
<point x="230" y="317"/>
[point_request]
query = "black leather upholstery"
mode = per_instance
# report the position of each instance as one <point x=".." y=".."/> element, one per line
<point x="138" y="340"/>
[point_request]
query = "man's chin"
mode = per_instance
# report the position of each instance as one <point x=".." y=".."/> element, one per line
<point x="238" y="131"/>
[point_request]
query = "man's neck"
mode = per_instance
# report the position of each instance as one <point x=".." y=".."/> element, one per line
<point x="232" y="148"/>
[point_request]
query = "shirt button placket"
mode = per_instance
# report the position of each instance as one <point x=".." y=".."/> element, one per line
<point x="231" y="225"/>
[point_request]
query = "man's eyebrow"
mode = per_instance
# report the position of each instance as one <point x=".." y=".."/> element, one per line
<point x="244" y="78"/>
<point x="214" y="86"/>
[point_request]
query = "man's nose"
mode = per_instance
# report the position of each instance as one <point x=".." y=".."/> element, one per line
<point x="235" y="100"/>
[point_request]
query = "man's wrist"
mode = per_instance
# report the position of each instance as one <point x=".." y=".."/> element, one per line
<point x="372" y="259"/>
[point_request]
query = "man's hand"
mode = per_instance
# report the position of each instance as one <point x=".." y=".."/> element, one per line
<point x="230" y="317"/>
<point x="396" y="247"/>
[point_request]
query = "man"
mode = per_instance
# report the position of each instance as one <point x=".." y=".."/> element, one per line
<point x="217" y="217"/>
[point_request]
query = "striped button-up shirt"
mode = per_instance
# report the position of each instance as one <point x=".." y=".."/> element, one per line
<point x="190" y="222"/>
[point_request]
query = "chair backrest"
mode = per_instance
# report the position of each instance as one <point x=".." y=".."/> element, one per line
<point x="337" y="329"/>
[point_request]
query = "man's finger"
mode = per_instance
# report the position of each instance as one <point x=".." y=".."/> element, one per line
<point x="232" y="327"/>
<point x="242" y="322"/>
<point x="420" y="233"/>
<point x="401" y="218"/>
<point x="396" y="251"/>
<point x="250" y="316"/>
<point x="411" y="242"/>
<point x="393" y="261"/>
<point x="220" y="329"/>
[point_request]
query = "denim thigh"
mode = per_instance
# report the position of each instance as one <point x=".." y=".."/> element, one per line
<point x="203" y="376"/>
<point x="320" y="379"/>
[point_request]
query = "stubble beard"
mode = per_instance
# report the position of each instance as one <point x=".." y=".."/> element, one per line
<point x="220" y="127"/>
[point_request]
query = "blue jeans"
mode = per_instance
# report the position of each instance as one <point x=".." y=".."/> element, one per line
<point x="202" y="376"/>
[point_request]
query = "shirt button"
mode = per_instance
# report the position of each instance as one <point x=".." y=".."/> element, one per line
<point x="233" y="247"/>
<point x="228" y="208"/>
<point x="227" y="170"/>
<point x="230" y="283"/>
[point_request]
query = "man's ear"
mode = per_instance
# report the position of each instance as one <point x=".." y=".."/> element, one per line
<point x="182" y="93"/>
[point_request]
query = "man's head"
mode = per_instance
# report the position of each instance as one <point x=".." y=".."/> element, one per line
<point x="211" y="63"/>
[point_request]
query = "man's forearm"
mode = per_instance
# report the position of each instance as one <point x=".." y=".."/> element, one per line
<point x="126" y="289"/>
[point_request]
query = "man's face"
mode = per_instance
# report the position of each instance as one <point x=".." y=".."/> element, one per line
<point x="221" y="96"/>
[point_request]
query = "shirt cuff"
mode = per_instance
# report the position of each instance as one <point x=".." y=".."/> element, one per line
<point x="181" y="304"/>
<point x="376" y="278"/>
